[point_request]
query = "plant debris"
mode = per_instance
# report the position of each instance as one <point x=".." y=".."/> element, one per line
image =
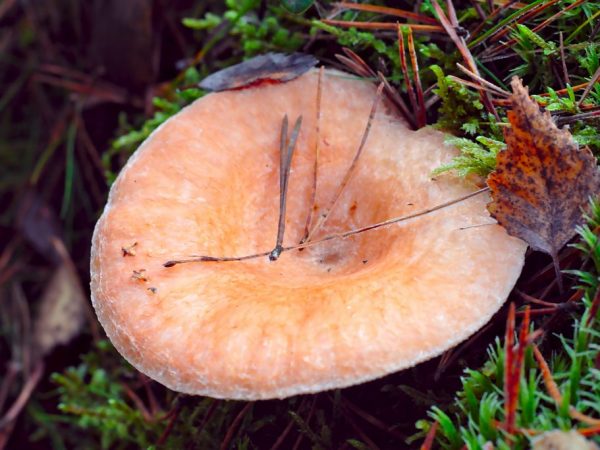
<point x="62" y="310"/>
<point x="268" y="68"/>
<point x="543" y="180"/>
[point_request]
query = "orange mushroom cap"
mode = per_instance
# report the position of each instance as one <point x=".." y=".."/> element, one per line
<point x="333" y="315"/>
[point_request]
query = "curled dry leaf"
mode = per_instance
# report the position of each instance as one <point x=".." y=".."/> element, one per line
<point x="268" y="68"/>
<point x="543" y="180"/>
<point x="62" y="310"/>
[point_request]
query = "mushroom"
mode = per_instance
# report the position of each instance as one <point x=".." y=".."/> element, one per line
<point x="339" y="312"/>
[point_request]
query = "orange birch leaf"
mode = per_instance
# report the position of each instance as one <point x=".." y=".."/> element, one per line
<point x="543" y="180"/>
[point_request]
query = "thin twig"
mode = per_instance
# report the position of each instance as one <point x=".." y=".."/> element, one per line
<point x="471" y="84"/>
<point x="24" y="395"/>
<point x="393" y="95"/>
<point x="554" y="391"/>
<point x="311" y="412"/>
<point x="508" y="370"/>
<point x="388" y="11"/>
<point x="495" y="12"/>
<point x="313" y="195"/>
<point x="563" y="58"/>
<point x="372" y="420"/>
<point x="482" y="81"/>
<point x="589" y="86"/>
<point x="370" y="444"/>
<point x="360" y="62"/>
<point x="325" y="215"/>
<point x="330" y="237"/>
<point x="421" y="115"/>
<point x="280" y="440"/>
<point x="532" y="13"/>
<point x="286" y="151"/>
<point x="404" y="66"/>
<point x="234" y="425"/>
<point x="461" y="44"/>
<point x="520" y="18"/>
<point x="576" y="117"/>
<point x="383" y="25"/>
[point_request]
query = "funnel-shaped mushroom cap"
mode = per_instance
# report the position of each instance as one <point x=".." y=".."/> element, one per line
<point x="332" y="315"/>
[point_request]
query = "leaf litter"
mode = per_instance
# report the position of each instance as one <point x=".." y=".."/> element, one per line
<point x="543" y="180"/>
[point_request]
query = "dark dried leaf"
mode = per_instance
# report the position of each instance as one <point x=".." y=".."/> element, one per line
<point x="270" y="68"/>
<point x="543" y="180"/>
<point x="62" y="310"/>
<point x="39" y="225"/>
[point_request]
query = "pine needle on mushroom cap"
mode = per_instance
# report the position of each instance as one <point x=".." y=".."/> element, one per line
<point x="335" y="314"/>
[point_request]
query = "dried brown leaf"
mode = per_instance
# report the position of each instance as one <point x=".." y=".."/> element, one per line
<point x="543" y="180"/>
<point x="267" y="68"/>
<point x="62" y="310"/>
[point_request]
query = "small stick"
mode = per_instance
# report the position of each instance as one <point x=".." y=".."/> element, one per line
<point x="286" y="154"/>
<point x="364" y="68"/>
<point x="387" y="10"/>
<point x="393" y="95"/>
<point x="323" y="217"/>
<point x="313" y="195"/>
<point x="331" y="237"/>
<point x="461" y="44"/>
<point x="472" y="84"/>
<point x="409" y="88"/>
<point x="589" y="87"/>
<point x="234" y="426"/>
<point x="508" y="370"/>
<point x="563" y="58"/>
<point x="478" y="9"/>
<point x="536" y="11"/>
<point x="576" y="117"/>
<point x="479" y="79"/>
<point x="422" y="117"/>
<point x="383" y="25"/>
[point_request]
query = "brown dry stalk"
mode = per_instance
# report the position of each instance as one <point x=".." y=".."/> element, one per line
<point x="421" y="115"/>
<point x="520" y="19"/>
<point x="350" y="172"/>
<point x="493" y="15"/>
<point x="591" y="431"/>
<point x="404" y="66"/>
<point x="286" y="151"/>
<point x="234" y="426"/>
<point x="388" y="11"/>
<point x="428" y="443"/>
<point x="484" y="83"/>
<point x="555" y="393"/>
<point x="498" y="48"/>
<point x="313" y="194"/>
<point x="383" y="25"/>
<point x="330" y="237"/>
<point x="466" y="54"/>
<point x="589" y="87"/>
<point x="509" y="389"/>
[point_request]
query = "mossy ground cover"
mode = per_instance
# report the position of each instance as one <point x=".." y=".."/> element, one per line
<point x="71" y="113"/>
